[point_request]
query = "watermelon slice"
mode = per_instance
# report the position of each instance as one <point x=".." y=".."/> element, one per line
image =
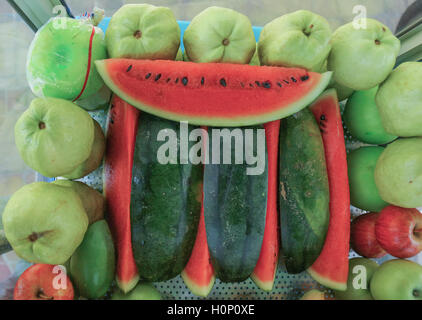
<point x="213" y="94"/>
<point x="199" y="275"/>
<point x="122" y="126"/>
<point x="266" y="267"/>
<point x="332" y="266"/>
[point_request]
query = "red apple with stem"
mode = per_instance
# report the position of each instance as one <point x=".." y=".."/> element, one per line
<point x="399" y="231"/>
<point x="43" y="282"/>
<point x="362" y="236"/>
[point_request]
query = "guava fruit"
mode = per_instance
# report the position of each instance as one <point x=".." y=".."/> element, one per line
<point x="299" y="39"/>
<point x="399" y="101"/>
<point x="362" y="58"/>
<point x="220" y="35"/>
<point x="143" y="31"/>
<point x="363" y="190"/>
<point x="61" y="57"/>
<point x="363" y="120"/>
<point x="255" y="58"/>
<point x="343" y="92"/>
<point x="95" y="158"/>
<point x="54" y="136"/>
<point x="92" y="200"/>
<point x="45" y="222"/>
<point x="179" y="56"/>
<point x="398" y="173"/>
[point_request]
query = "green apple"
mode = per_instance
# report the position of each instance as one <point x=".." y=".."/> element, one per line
<point x="92" y="200"/>
<point x="54" y="136"/>
<point x="399" y="101"/>
<point x="362" y="58"/>
<point x="397" y="280"/>
<point x="298" y="39"/>
<point x="45" y="222"/>
<point x="57" y="62"/>
<point x="220" y="35"/>
<point x="143" y="291"/>
<point x="398" y="173"/>
<point x="95" y="158"/>
<point x="143" y="31"/>
<point x="363" y="120"/>
<point x="363" y="190"/>
<point x="313" y="294"/>
<point x="361" y="271"/>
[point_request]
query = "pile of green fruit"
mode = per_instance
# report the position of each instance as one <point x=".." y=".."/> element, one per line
<point x="149" y="226"/>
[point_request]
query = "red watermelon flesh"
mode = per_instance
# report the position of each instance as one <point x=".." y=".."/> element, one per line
<point x="266" y="267"/>
<point x="122" y="126"/>
<point x="199" y="275"/>
<point x="213" y="94"/>
<point x="332" y="266"/>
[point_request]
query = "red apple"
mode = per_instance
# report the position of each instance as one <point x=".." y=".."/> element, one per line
<point x="43" y="282"/>
<point x="399" y="231"/>
<point x="362" y="236"/>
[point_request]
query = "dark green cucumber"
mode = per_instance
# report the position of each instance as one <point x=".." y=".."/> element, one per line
<point x="234" y="210"/>
<point x="165" y="205"/>
<point x="304" y="194"/>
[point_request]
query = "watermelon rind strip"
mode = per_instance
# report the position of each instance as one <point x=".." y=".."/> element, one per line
<point x="340" y="286"/>
<point x="201" y="291"/>
<point x="223" y="122"/>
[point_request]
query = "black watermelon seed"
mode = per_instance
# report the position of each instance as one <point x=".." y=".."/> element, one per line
<point x="202" y="80"/>
<point x="266" y="84"/>
<point x="177" y="80"/>
<point x="304" y="78"/>
<point x="223" y="82"/>
<point x="148" y="76"/>
<point x="157" y="77"/>
<point x="323" y="118"/>
<point x="185" y="81"/>
<point x="129" y="68"/>
<point x="251" y="85"/>
<point x="258" y="83"/>
<point x="111" y="120"/>
<point x="168" y="79"/>
<point x="279" y="84"/>
<point x="293" y="79"/>
<point x="286" y="81"/>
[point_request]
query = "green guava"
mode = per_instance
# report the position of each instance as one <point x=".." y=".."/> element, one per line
<point x="220" y="35"/>
<point x="363" y="120"/>
<point x="45" y="222"/>
<point x="363" y="190"/>
<point x="399" y="101"/>
<point x="398" y="174"/>
<point x="255" y="58"/>
<point x="143" y="31"/>
<point x="299" y="39"/>
<point x="92" y="200"/>
<point x="95" y="158"/>
<point x="57" y="62"/>
<point x="54" y="136"/>
<point x="179" y="56"/>
<point x="362" y="58"/>
<point x="343" y="92"/>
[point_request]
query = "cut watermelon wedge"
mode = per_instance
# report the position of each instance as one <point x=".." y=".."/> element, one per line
<point x="122" y="126"/>
<point x="332" y="266"/>
<point x="213" y="94"/>
<point x="266" y="267"/>
<point x="199" y="275"/>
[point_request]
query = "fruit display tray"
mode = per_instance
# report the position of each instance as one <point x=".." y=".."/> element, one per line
<point x="286" y="286"/>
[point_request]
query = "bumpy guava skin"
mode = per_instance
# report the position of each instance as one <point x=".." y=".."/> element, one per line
<point x="299" y="39"/>
<point x="362" y="58"/>
<point x="399" y="101"/>
<point x="54" y="136"/>
<point x="220" y="35"/>
<point x="143" y="31"/>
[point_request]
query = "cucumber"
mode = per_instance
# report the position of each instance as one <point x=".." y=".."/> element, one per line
<point x="234" y="210"/>
<point x="304" y="192"/>
<point x="165" y="205"/>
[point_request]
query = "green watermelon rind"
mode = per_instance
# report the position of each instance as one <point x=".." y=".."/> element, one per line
<point x="226" y="122"/>
<point x="198" y="290"/>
